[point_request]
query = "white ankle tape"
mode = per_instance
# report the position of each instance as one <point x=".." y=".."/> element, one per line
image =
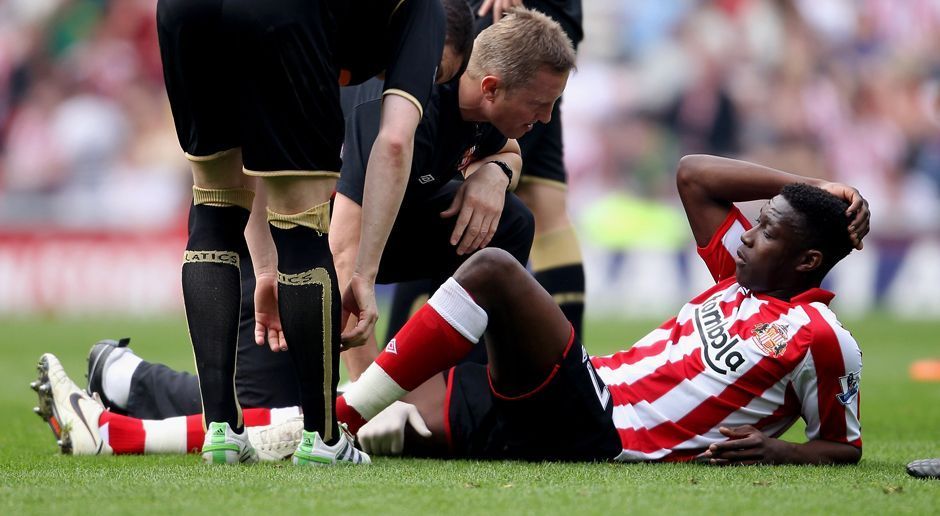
<point x="373" y="391"/>
<point x="455" y="305"/>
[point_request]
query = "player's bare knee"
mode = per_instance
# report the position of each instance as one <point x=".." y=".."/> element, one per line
<point x="487" y="271"/>
<point x="296" y="194"/>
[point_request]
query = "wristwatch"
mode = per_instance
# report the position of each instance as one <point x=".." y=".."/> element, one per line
<point x="506" y="170"/>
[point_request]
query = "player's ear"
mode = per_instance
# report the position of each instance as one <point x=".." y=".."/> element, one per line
<point x="809" y="260"/>
<point x="489" y="86"/>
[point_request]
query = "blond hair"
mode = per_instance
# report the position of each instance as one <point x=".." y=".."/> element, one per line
<point x="519" y="45"/>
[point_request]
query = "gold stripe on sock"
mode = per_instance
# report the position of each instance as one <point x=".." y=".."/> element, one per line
<point x="223" y="257"/>
<point x="564" y="298"/>
<point x="316" y="218"/>
<point x="556" y="248"/>
<point x="321" y="277"/>
<point x="230" y="197"/>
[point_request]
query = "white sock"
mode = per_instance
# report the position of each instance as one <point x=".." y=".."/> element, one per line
<point x="117" y="374"/>
<point x="165" y="435"/>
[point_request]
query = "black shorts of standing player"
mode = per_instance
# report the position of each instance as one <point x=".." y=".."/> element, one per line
<point x="232" y="71"/>
<point x="568" y="417"/>
<point x="265" y="76"/>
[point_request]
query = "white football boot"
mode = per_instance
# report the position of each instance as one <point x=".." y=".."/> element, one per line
<point x="224" y="446"/>
<point x="70" y="411"/>
<point x="276" y="441"/>
<point x="312" y="451"/>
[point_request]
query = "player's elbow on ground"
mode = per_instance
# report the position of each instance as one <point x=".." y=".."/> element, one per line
<point x="853" y="457"/>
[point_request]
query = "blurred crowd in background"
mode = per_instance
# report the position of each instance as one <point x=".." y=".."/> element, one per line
<point x="843" y="89"/>
<point x="840" y="89"/>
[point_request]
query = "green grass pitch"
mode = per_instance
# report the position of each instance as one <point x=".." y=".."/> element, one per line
<point x="901" y="421"/>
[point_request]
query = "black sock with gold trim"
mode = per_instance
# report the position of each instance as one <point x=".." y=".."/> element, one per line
<point x="212" y="298"/>
<point x="559" y="268"/>
<point x="566" y="285"/>
<point x="309" y="305"/>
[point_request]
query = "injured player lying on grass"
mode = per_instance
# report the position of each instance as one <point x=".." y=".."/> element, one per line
<point x="720" y="382"/>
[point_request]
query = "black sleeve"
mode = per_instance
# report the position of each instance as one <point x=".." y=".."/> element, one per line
<point x="362" y="108"/>
<point x="415" y="49"/>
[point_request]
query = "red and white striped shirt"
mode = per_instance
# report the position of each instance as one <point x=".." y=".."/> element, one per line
<point x="733" y="357"/>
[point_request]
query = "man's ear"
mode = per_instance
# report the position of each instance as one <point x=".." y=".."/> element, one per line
<point x="489" y="86"/>
<point x="809" y="260"/>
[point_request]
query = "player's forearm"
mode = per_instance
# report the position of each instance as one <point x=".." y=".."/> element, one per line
<point x="510" y="155"/>
<point x="729" y="180"/>
<point x="816" y="452"/>
<point x="386" y="180"/>
<point x="258" y="236"/>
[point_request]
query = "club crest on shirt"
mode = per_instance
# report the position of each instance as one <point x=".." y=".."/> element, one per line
<point x="770" y="338"/>
<point x="467" y="158"/>
<point x="849" y="385"/>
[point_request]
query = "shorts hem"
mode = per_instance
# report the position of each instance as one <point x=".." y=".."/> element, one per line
<point x="209" y="157"/>
<point x="291" y="173"/>
<point x="540" y="387"/>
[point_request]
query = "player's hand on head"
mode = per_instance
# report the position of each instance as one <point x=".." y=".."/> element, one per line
<point x="857" y="211"/>
<point x="359" y="301"/>
<point x="267" y="318"/>
<point x="499" y="8"/>
<point x="385" y="433"/>
<point x="478" y="206"/>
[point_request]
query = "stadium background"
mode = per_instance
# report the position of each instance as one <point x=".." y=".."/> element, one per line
<point x="93" y="187"/>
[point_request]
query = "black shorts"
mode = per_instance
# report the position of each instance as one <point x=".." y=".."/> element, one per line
<point x="543" y="153"/>
<point x="568" y="417"/>
<point x="256" y="75"/>
<point x="419" y="245"/>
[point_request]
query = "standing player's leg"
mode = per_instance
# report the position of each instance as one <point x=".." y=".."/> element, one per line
<point x="292" y="126"/>
<point x="556" y="256"/>
<point x="308" y="293"/>
<point x="130" y="385"/>
<point x="527" y="336"/>
<point x="199" y="79"/>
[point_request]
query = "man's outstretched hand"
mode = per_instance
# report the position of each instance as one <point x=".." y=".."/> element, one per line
<point x="267" y="318"/>
<point x="359" y="300"/>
